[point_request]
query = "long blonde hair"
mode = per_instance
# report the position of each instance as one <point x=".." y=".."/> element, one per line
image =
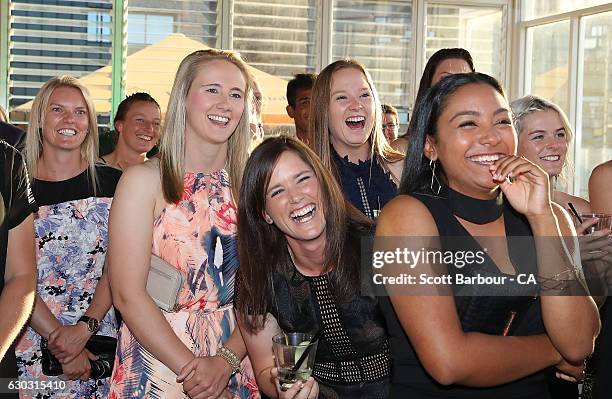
<point x="319" y="132"/>
<point x="172" y="145"/>
<point x="34" y="136"/>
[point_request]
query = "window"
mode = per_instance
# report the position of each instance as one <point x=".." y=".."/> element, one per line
<point x="278" y="39"/>
<point x="145" y="29"/>
<point x="594" y="132"/>
<point x="149" y="22"/>
<point x="532" y="9"/>
<point x="379" y="35"/>
<point x="159" y="36"/>
<point x="480" y="30"/>
<point x="568" y="60"/>
<point x="547" y="71"/>
<point x="48" y="39"/>
<point x="98" y="26"/>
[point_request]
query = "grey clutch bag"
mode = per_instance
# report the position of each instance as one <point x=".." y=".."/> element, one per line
<point x="164" y="284"/>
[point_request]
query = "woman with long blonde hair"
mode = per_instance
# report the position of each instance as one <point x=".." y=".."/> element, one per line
<point x="346" y="126"/>
<point x="74" y="195"/>
<point x="181" y="208"/>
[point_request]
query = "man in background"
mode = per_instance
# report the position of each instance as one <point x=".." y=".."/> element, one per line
<point x="298" y="97"/>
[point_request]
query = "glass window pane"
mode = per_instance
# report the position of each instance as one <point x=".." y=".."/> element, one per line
<point x="595" y="99"/>
<point x="136" y="28"/>
<point x="532" y="9"/>
<point x="48" y="39"/>
<point x="547" y="62"/>
<point x="278" y="39"/>
<point x="480" y="30"/>
<point x="159" y="35"/>
<point x="379" y="35"/>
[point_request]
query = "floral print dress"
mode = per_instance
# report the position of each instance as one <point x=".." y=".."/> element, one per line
<point x="71" y="231"/>
<point x="197" y="236"/>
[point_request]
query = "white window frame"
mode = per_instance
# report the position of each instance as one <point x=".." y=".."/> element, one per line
<point x="324" y="38"/>
<point x="576" y="52"/>
<point x="419" y="9"/>
<point x="419" y="13"/>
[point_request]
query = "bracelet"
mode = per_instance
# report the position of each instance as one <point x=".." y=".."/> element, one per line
<point x="230" y="357"/>
<point x="559" y="282"/>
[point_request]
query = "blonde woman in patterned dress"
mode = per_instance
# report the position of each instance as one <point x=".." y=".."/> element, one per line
<point x="181" y="207"/>
<point x="71" y="228"/>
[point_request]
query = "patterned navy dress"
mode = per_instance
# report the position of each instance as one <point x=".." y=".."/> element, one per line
<point x="71" y="228"/>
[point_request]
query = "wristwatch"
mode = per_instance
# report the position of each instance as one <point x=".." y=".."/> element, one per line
<point x="92" y="324"/>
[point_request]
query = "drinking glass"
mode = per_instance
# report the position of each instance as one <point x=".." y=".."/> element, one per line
<point x="604" y="221"/>
<point x="288" y="349"/>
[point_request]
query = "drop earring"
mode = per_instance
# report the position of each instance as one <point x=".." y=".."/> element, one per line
<point x="432" y="166"/>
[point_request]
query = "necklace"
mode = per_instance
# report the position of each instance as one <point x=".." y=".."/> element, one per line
<point x="475" y="210"/>
<point x="304" y="273"/>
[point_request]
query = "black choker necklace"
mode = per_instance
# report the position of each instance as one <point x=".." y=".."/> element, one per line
<point x="475" y="210"/>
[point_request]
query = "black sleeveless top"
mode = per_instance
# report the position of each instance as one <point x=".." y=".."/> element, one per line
<point x="508" y="309"/>
<point x="352" y="359"/>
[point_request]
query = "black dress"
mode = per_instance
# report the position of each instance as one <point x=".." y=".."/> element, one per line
<point x="18" y="205"/>
<point x="366" y="184"/>
<point x="352" y="359"/>
<point x="485" y="314"/>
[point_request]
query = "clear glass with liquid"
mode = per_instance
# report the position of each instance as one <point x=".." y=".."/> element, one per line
<point x="288" y="349"/>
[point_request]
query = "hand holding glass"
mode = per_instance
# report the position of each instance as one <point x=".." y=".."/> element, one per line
<point x="288" y="348"/>
<point x="604" y="221"/>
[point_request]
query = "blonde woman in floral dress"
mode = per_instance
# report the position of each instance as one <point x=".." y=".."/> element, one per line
<point x="181" y="208"/>
<point x="74" y="196"/>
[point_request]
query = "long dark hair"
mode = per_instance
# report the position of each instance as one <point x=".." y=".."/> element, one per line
<point x="416" y="175"/>
<point x="262" y="247"/>
<point x="436" y="59"/>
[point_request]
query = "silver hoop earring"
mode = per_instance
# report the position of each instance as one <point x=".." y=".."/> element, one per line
<point x="432" y="166"/>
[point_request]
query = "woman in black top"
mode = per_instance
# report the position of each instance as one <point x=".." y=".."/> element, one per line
<point x="462" y="179"/>
<point x="17" y="256"/>
<point x="299" y="247"/>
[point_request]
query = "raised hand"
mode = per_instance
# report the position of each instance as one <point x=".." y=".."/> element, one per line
<point x="524" y="184"/>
